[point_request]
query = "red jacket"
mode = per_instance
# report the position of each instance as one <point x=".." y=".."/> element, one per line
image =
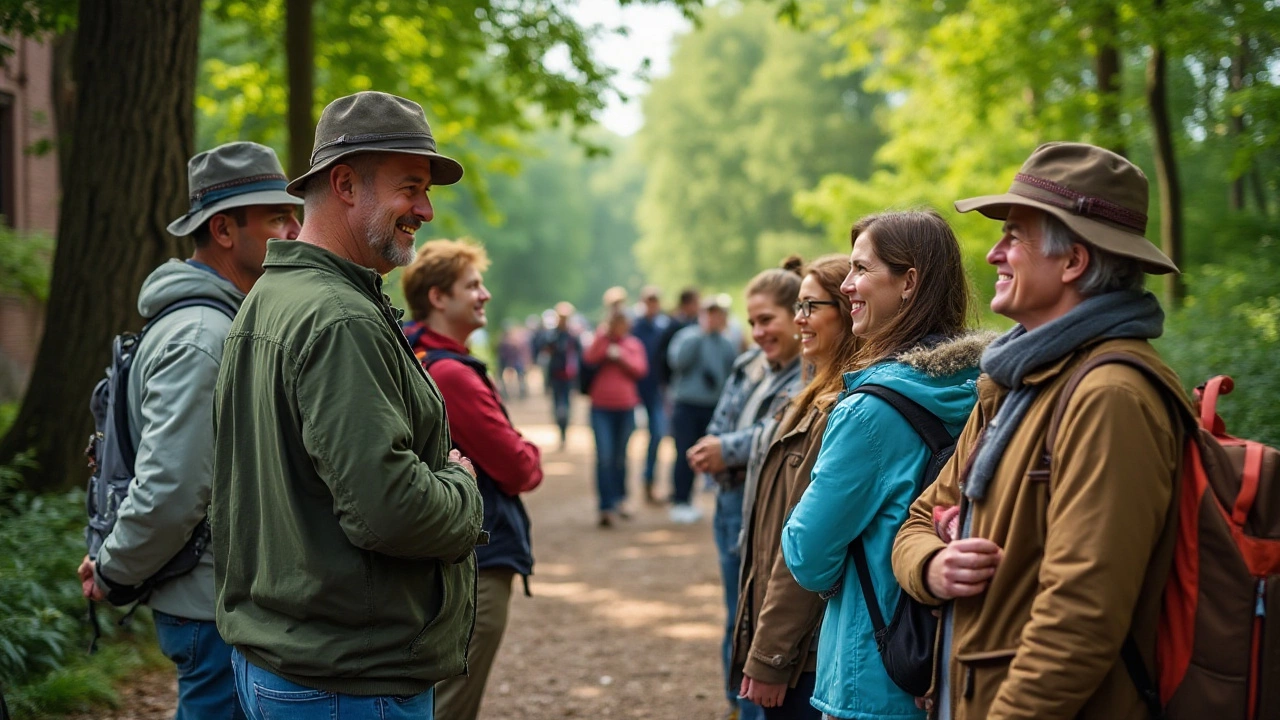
<point x="614" y="386"/>
<point x="476" y="419"/>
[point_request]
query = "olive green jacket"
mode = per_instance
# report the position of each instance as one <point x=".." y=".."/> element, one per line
<point x="342" y="534"/>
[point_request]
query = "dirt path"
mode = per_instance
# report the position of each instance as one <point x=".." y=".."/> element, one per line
<point x="623" y="623"/>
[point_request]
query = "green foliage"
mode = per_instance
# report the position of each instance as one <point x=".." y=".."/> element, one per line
<point x="34" y="17"/>
<point x="25" y="260"/>
<point x="753" y="111"/>
<point x="42" y="635"/>
<point x="559" y="229"/>
<point x="1230" y="325"/>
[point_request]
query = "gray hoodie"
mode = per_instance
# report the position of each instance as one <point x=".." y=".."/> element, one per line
<point x="171" y="423"/>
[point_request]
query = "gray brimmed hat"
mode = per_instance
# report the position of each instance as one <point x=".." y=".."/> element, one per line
<point x="1098" y="194"/>
<point x="375" y="122"/>
<point x="230" y="176"/>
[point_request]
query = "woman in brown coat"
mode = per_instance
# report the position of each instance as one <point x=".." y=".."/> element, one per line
<point x="774" y="638"/>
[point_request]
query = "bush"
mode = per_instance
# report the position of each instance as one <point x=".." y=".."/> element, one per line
<point x="25" y="263"/>
<point x="1230" y="325"/>
<point x="43" y="666"/>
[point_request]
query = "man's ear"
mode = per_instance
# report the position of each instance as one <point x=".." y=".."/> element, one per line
<point x="342" y="182"/>
<point x="1077" y="263"/>
<point x="220" y="230"/>
<point x="436" y="298"/>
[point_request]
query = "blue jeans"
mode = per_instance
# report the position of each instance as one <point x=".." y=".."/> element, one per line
<point x="613" y="429"/>
<point x="267" y="696"/>
<point x="206" y="687"/>
<point x="560" y="392"/>
<point x="728" y="527"/>
<point x="656" y="412"/>
<point x="688" y="425"/>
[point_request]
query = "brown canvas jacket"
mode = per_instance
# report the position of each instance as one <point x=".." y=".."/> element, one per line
<point x="777" y="621"/>
<point x="1086" y="549"/>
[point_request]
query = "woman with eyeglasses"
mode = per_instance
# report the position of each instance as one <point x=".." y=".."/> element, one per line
<point x="761" y="383"/>
<point x="909" y="306"/>
<point x="773" y="648"/>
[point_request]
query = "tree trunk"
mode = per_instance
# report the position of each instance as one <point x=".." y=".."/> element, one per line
<point x="64" y="97"/>
<point x="1235" y="198"/>
<point x="300" y="54"/>
<point x="133" y="130"/>
<point x="1107" y="67"/>
<point x="1166" y="170"/>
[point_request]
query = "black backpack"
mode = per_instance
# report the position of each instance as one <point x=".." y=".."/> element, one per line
<point x="906" y="643"/>
<point x="111" y="457"/>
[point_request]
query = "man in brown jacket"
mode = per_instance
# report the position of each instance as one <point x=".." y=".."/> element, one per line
<point x="1057" y="559"/>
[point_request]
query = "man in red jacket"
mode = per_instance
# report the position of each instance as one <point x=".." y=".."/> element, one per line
<point x="446" y="295"/>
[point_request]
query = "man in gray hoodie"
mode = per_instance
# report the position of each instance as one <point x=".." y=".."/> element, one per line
<point x="238" y="201"/>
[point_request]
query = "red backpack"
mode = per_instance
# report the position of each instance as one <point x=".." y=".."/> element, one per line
<point x="1214" y="648"/>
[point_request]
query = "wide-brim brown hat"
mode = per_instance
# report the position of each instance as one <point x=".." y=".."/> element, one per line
<point x="231" y="176"/>
<point x="375" y="122"/>
<point x="1098" y="194"/>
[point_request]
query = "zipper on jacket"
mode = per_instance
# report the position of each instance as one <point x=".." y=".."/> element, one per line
<point x="1255" y="648"/>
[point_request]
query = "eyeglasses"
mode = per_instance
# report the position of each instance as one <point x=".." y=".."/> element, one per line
<point x="804" y="308"/>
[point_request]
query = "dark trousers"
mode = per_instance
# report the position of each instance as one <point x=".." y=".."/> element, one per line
<point x="688" y="424"/>
<point x="795" y="704"/>
<point x="612" y="429"/>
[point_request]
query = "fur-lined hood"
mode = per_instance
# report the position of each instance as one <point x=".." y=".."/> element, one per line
<point x="941" y="376"/>
<point x="949" y="356"/>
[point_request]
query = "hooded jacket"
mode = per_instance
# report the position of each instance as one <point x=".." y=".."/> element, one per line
<point x="863" y="481"/>
<point x="170" y="405"/>
<point x="1087" y="546"/>
<point x="342" y="535"/>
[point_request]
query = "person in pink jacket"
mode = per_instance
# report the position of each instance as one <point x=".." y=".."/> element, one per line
<point x="619" y="361"/>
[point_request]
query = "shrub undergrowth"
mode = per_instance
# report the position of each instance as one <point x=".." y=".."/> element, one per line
<point x="44" y="669"/>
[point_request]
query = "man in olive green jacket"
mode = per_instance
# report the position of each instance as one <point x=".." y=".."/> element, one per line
<point x="343" y="525"/>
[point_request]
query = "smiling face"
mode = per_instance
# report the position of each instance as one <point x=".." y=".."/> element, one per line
<point x="393" y="205"/>
<point x="462" y="308"/>
<point x="773" y="328"/>
<point x="820" y="332"/>
<point x="875" y="292"/>
<point x="1031" y="289"/>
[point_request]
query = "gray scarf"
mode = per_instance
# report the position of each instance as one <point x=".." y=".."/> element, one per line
<point x="1008" y="360"/>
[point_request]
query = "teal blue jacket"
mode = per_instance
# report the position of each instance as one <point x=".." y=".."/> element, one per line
<point x="863" y="482"/>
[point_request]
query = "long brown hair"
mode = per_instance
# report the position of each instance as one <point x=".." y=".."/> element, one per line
<point x="918" y="239"/>
<point x="830" y="271"/>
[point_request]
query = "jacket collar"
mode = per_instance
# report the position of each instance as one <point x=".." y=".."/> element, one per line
<point x="295" y="254"/>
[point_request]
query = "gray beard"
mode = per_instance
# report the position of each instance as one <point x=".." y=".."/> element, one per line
<point x="383" y="241"/>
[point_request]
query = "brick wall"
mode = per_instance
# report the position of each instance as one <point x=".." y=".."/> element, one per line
<point x="27" y="76"/>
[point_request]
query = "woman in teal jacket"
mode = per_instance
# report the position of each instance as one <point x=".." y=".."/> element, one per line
<point x="909" y="299"/>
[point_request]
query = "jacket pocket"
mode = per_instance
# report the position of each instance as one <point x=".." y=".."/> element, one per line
<point x="441" y="588"/>
<point x="979" y="678"/>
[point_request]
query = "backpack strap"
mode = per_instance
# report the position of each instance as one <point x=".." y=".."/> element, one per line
<point x="173" y="307"/>
<point x="936" y="438"/>
<point x="121" y="407"/>
<point x="1129" y="653"/>
<point x="435" y="355"/>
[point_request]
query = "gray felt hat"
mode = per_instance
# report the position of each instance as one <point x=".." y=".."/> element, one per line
<point x="373" y="121"/>
<point x="230" y="176"/>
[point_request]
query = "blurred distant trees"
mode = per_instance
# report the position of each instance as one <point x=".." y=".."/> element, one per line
<point x="753" y="111"/>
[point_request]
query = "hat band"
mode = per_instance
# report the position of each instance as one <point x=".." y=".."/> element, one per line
<point x="1078" y="203"/>
<point x="215" y="193"/>
<point x="378" y="141"/>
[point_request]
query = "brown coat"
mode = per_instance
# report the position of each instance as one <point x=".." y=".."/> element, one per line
<point x="1085" y="553"/>
<point x="777" y="620"/>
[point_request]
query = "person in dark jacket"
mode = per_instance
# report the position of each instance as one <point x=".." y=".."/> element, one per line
<point x="344" y="524"/>
<point x="564" y="363"/>
<point x="650" y="329"/>
<point x="446" y="295"/>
